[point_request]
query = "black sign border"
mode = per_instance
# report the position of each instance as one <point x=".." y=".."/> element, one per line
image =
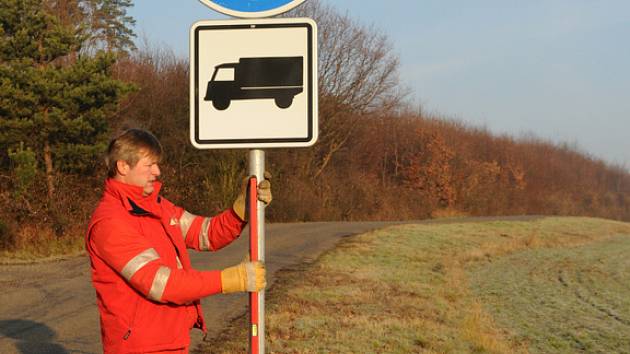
<point x="249" y="26"/>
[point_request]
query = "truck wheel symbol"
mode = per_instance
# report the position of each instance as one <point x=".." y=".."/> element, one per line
<point x="284" y="102"/>
<point x="221" y="103"/>
<point x="277" y="78"/>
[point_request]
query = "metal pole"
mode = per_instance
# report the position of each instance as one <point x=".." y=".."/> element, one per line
<point x="257" y="252"/>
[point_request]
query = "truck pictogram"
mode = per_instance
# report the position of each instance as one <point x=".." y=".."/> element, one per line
<point x="279" y="78"/>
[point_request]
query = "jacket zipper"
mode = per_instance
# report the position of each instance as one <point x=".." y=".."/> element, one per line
<point x="133" y="319"/>
<point x="135" y="308"/>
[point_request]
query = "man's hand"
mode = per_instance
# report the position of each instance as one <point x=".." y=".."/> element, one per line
<point x="246" y="276"/>
<point x="263" y="191"/>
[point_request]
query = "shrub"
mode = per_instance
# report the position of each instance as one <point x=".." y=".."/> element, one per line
<point x="24" y="169"/>
<point x="6" y="236"/>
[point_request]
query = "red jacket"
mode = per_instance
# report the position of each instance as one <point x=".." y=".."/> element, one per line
<point x="147" y="292"/>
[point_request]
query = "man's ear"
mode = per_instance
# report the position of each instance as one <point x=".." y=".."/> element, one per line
<point x="122" y="167"/>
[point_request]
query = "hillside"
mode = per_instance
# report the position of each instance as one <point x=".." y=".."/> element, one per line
<point x="545" y="285"/>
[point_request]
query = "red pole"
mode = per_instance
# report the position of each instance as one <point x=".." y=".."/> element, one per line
<point x="253" y="256"/>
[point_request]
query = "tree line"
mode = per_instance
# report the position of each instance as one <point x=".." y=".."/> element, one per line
<point x="71" y="78"/>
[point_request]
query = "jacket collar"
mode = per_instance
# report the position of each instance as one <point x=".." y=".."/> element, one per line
<point x="132" y="199"/>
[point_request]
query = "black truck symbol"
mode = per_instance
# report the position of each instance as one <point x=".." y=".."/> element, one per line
<point x="279" y="78"/>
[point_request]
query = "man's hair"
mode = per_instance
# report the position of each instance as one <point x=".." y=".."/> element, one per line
<point x="131" y="146"/>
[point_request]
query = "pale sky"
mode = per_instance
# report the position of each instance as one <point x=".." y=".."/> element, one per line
<point x="558" y="69"/>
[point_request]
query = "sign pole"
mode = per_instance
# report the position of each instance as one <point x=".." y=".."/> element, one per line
<point x="284" y="103"/>
<point x="256" y="251"/>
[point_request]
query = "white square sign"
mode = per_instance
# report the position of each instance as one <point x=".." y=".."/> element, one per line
<point x="253" y="83"/>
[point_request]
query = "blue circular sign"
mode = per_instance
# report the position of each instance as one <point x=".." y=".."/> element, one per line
<point x="252" y="8"/>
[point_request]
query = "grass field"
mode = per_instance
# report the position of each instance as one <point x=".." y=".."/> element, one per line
<point x="43" y="245"/>
<point x="562" y="300"/>
<point x="542" y="286"/>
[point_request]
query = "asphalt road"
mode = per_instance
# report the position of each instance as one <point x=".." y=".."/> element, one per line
<point x="51" y="307"/>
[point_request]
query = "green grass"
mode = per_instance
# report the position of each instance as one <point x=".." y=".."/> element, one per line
<point x="562" y="300"/>
<point x="453" y="288"/>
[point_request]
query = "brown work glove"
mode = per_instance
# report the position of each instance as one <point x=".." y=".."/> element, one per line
<point x="264" y="189"/>
<point x="246" y="276"/>
<point x="264" y="195"/>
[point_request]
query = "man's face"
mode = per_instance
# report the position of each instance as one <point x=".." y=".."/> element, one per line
<point x="143" y="174"/>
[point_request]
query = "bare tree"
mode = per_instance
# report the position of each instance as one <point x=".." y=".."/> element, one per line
<point x="357" y="74"/>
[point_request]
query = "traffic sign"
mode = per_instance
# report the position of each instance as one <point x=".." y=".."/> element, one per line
<point x="253" y="83"/>
<point x="252" y="8"/>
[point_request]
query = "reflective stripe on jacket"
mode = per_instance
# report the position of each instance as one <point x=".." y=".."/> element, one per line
<point x="147" y="292"/>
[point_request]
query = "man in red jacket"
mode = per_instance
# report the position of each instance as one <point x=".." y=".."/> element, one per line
<point x="147" y="292"/>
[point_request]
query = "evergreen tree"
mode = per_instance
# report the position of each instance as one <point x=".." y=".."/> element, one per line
<point x="70" y="13"/>
<point x="58" y="110"/>
<point x="110" y="25"/>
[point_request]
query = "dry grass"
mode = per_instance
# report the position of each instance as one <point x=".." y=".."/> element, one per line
<point x="448" y="213"/>
<point x="405" y="289"/>
<point x="37" y="243"/>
